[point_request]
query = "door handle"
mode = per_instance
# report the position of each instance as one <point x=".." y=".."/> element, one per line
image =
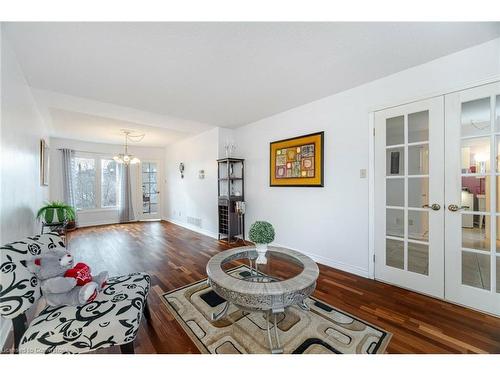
<point x="434" y="206"/>
<point x="454" y="207"/>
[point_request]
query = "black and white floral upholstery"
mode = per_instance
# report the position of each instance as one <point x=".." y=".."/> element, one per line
<point x="113" y="318"/>
<point x="19" y="288"/>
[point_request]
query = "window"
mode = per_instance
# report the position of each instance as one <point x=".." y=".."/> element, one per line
<point x="85" y="182"/>
<point x="95" y="182"/>
<point x="109" y="183"/>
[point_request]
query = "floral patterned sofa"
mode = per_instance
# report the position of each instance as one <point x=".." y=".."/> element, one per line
<point x="113" y="318"/>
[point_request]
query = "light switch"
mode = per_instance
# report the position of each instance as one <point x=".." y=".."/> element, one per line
<point x="362" y="173"/>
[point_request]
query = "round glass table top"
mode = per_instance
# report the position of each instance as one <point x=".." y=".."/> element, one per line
<point x="279" y="267"/>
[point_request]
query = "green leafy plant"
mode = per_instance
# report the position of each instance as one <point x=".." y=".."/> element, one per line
<point x="261" y="232"/>
<point x="59" y="211"/>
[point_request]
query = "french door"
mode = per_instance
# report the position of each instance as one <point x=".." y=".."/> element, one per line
<point x="409" y="193"/>
<point x="150" y="197"/>
<point x="472" y="189"/>
<point x="437" y="197"/>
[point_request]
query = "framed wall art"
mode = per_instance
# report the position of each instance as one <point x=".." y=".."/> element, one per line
<point x="297" y="161"/>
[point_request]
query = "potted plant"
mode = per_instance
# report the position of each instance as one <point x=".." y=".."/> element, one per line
<point x="56" y="212"/>
<point x="262" y="233"/>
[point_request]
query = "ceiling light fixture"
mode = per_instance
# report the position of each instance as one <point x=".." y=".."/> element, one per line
<point x="127" y="158"/>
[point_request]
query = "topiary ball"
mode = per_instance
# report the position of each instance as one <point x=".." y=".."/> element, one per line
<point x="261" y="232"/>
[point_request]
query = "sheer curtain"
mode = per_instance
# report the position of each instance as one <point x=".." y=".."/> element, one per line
<point x="126" y="204"/>
<point x="67" y="161"/>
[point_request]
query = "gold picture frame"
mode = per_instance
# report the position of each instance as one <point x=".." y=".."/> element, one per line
<point x="297" y="161"/>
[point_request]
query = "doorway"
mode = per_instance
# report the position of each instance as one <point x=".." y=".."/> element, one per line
<point x="437" y="197"/>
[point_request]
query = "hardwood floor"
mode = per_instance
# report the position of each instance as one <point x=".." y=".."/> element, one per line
<point x="175" y="256"/>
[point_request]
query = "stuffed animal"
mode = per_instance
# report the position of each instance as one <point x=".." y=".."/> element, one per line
<point x="65" y="284"/>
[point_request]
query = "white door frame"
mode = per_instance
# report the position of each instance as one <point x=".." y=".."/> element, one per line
<point x="371" y="161"/>
<point x="431" y="283"/>
<point x="159" y="185"/>
<point x="487" y="300"/>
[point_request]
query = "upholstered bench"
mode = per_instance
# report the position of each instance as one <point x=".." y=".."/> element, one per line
<point x="113" y="318"/>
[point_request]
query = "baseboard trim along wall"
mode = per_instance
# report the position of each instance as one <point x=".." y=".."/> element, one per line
<point x="317" y="258"/>
<point x="192" y="227"/>
<point x="331" y="263"/>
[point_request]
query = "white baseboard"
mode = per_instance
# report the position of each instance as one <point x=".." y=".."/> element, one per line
<point x="191" y="227"/>
<point x="332" y="263"/>
<point x="5" y="326"/>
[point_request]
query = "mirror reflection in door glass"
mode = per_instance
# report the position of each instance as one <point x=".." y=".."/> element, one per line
<point x="476" y="270"/>
<point x="395" y="192"/>
<point x="475" y="232"/>
<point x="418" y="159"/>
<point x="418" y="192"/>
<point x="475" y="155"/>
<point x="418" y="258"/>
<point x="395" y="161"/>
<point x="394" y="131"/>
<point x="394" y="222"/>
<point x="418" y="127"/>
<point x="476" y="117"/>
<point x="394" y="253"/>
<point x="418" y="225"/>
<point x="475" y="194"/>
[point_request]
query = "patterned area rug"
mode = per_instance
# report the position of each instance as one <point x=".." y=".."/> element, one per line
<point x="323" y="329"/>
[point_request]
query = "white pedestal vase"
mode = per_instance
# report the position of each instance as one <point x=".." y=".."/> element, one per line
<point x="261" y="253"/>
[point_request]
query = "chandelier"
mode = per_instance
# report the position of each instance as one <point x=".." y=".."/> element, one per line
<point x="127" y="158"/>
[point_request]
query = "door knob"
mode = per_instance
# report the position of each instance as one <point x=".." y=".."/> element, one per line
<point x="454" y="207"/>
<point x="434" y="206"/>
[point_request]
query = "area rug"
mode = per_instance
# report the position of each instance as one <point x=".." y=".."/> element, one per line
<point x="323" y="329"/>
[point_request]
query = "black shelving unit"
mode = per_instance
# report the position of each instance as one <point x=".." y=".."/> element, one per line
<point x="231" y="186"/>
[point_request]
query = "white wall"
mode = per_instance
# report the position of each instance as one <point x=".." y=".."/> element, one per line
<point x="21" y="130"/>
<point x="192" y="197"/>
<point x="332" y="223"/>
<point x="101" y="216"/>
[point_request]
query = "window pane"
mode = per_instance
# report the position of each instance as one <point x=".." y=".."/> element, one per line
<point x="395" y="131"/>
<point x="108" y="183"/>
<point x="418" y="192"/>
<point x="395" y="192"/>
<point x="418" y="127"/>
<point x="418" y="159"/>
<point x="394" y="222"/>
<point x="476" y="117"/>
<point x="395" y="161"/>
<point x="474" y="232"/>
<point x="84" y="180"/>
<point x="418" y="225"/>
<point x="418" y="258"/>
<point x="476" y="155"/>
<point x="394" y="253"/>
<point x="476" y="270"/>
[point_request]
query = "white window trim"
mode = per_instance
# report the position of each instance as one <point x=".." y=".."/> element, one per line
<point x="98" y="179"/>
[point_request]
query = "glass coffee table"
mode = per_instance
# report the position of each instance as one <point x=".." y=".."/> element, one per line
<point x="287" y="279"/>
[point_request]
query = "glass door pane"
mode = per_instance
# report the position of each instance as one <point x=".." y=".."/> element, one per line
<point x="149" y="188"/>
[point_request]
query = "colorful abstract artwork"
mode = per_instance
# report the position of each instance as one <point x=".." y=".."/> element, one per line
<point x="297" y="161"/>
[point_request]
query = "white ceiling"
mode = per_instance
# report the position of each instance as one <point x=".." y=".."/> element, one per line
<point x="224" y="74"/>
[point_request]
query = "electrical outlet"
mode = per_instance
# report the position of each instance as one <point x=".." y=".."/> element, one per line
<point x="362" y="173"/>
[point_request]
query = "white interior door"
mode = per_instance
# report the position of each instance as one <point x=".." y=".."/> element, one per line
<point x="409" y="196"/>
<point x="150" y="190"/>
<point x="472" y="192"/>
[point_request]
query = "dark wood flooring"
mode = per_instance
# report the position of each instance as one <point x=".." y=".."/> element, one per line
<point x="175" y="256"/>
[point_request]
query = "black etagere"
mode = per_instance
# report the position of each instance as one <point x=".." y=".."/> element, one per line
<point x="231" y="184"/>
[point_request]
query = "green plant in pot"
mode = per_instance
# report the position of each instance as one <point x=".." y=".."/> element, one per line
<point x="56" y="212"/>
<point x="262" y="233"/>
